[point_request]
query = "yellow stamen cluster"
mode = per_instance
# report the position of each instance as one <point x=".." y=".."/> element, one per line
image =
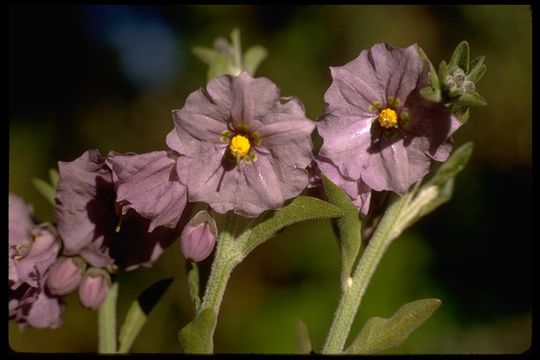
<point x="388" y="118"/>
<point x="239" y="146"/>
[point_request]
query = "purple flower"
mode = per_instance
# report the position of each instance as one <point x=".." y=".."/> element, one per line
<point x="34" y="306"/>
<point x="377" y="127"/>
<point x="65" y="275"/>
<point x="90" y="222"/>
<point x="94" y="288"/>
<point x="148" y="183"/>
<point x="199" y="237"/>
<point x="32" y="248"/>
<point x="243" y="148"/>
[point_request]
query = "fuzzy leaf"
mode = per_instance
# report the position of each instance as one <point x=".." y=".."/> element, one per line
<point x="196" y="337"/>
<point x="135" y="320"/>
<point x="444" y="194"/>
<point x="253" y="57"/>
<point x="477" y="73"/>
<point x="460" y="57"/>
<point x="45" y="189"/>
<point x="218" y="63"/>
<point x="303" y="344"/>
<point x="455" y="163"/>
<point x="380" y="334"/>
<point x="443" y="71"/>
<point x="300" y="209"/>
<point x="471" y="99"/>
<point x="349" y="227"/>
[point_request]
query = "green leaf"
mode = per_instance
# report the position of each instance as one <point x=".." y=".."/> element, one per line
<point x="477" y="62"/>
<point x="253" y="57"/>
<point x="206" y="55"/>
<point x="303" y="344"/>
<point x="236" y="48"/>
<point x="460" y="57"/>
<point x="380" y="334"/>
<point x="53" y="177"/>
<point x="193" y="283"/>
<point x="444" y="194"/>
<point x="477" y="73"/>
<point x="196" y="337"/>
<point x="349" y="227"/>
<point x="471" y="99"/>
<point x="45" y="189"/>
<point x="455" y="163"/>
<point x="300" y="209"/>
<point x="218" y="63"/>
<point x="461" y="112"/>
<point x="138" y="313"/>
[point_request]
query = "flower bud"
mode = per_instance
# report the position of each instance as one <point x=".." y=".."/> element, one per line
<point x="199" y="237"/>
<point x="94" y="288"/>
<point x="65" y="275"/>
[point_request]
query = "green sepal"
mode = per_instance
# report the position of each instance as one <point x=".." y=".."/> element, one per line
<point x="477" y="73"/>
<point x="196" y="337"/>
<point x="303" y="344"/>
<point x="379" y="334"/>
<point x="443" y="71"/>
<point x="431" y="94"/>
<point x="349" y="227"/>
<point x="471" y="99"/>
<point x="300" y="209"/>
<point x="218" y="63"/>
<point x="460" y="57"/>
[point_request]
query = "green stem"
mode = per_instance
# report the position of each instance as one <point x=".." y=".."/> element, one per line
<point x="226" y="258"/>
<point x="107" y="322"/>
<point x="352" y="294"/>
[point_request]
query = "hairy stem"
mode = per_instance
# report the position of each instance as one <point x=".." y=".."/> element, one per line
<point x="107" y="322"/>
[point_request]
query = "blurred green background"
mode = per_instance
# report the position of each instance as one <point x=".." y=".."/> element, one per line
<point x="107" y="77"/>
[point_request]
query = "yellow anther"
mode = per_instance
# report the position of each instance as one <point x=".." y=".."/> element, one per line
<point x="388" y="118"/>
<point x="239" y="146"/>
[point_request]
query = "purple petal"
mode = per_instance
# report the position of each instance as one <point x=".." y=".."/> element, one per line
<point x="84" y="196"/>
<point x="20" y="220"/>
<point x="148" y="184"/>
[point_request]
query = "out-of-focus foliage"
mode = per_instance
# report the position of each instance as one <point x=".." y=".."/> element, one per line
<point x="107" y="77"/>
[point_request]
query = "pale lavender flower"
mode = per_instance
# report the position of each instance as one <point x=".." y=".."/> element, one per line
<point x="65" y="275"/>
<point x="199" y="237"/>
<point x="243" y="148"/>
<point x="377" y="127"/>
<point x="90" y="222"/>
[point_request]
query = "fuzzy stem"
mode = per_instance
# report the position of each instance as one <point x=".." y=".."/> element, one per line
<point x="352" y="294"/>
<point x="107" y="322"/>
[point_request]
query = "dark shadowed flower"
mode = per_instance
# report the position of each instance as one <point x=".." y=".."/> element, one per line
<point x="35" y="306"/>
<point x="244" y="149"/>
<point x="90" y="221"/>
<point x="377" y="127"/>
<point x="199" y="237"/>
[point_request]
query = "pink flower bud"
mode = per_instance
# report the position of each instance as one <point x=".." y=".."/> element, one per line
<point x="199" y="237"/>
<point x="94" y="288"/>
<point x="65" y="275"/>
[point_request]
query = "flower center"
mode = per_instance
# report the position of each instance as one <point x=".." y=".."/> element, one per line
<point x="388" y="118"/>
<point x="239" y="146"/>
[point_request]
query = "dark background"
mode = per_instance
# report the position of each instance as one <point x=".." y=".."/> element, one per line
<point x="107" y="77"/>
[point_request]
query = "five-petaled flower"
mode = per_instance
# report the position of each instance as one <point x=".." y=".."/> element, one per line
<point x="377" y="127"/>
<point x="243" y="147"/>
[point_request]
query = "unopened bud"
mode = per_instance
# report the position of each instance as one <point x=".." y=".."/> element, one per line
<point x="65" y="275"/>
<point x="199" y="237"/>
<point x="94" y="288"/>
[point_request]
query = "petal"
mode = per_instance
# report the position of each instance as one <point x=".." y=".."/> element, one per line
<point x="173" y="142"/>
<point x="193" y="129"/>
<point x="45" y="312"/>
<point x="148" y="184"/>
<point x="346" y="140"/>
<point x="357" y="190"/>
<point x="85" y="196"/>
<point x="251" y="99"/>
<point x="395" y="167"/>
<point x="20" y="220"/>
